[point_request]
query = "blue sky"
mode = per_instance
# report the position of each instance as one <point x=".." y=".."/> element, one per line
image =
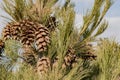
<point x="81" y="6"/>
<point x="112" y="16"/>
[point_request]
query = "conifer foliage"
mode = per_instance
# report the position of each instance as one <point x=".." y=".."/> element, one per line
<point x="49" y="44"/>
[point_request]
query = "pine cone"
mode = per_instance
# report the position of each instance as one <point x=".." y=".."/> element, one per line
<point x="89" y="53"/>
<point x="43" y="65"/>
<point x="88" y="56"/>
<point x="11" y="31"/>
<point x="42" y="38"/>
<point x="51" y="23"/>
<point x="28" y="29"/>
<point x="70" y="58"/>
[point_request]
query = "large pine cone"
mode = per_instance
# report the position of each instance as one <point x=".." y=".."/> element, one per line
<point x="28" y="29"/>
<point x="42" y="38"/>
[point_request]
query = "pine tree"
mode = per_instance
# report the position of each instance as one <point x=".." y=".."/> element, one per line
<point x="51" y="41"/>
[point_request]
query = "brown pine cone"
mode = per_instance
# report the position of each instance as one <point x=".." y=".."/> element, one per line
<point x="43" y="65"/>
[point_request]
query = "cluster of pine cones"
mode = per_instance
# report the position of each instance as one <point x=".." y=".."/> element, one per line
<point x="35" y="38"/>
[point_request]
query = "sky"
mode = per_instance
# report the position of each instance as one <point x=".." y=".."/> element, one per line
<point x="81" y="7"/>
<point x="112" y="16"/>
